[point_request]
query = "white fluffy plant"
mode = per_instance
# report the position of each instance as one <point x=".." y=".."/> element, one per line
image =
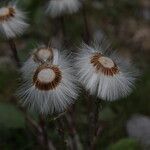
<point x="104" y="73"/>
<point x="40" y="55"/>
<point x="12" y="21"/>
<point x="60" y="7"/>
<point x="50" y="86"/>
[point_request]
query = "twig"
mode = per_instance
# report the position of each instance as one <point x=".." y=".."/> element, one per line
<point x="59" y="116"/>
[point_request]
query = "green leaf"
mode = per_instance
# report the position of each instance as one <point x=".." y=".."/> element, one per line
<point x="107" y="114"/>
<point x="10" y="117"/>
<point x="125" y="144"/>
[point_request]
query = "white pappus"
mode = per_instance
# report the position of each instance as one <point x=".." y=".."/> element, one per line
<point x="40" y="55"/>
<point x="51" y="88"/>
<point x="12" y="21"/>
<point x="60" y="7"/>
<point x="104" y="73"/>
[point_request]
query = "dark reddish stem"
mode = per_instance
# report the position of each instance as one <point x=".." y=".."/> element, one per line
<point x="14" y="51"/>
<point x="86" y="35"/>
<point x="70" y="122"/>
<point x="45" y="141"/>
<point x="94" y="124"/>
<point x="94" y="128"/>
<point x="62" y="24"/>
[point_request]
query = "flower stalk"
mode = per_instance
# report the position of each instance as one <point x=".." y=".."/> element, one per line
<point x="46" y="143"/>
<point x="14" y="52"/>
<point x="86" y="34"/>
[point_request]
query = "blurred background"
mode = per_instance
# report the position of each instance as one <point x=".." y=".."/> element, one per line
<point x="126" y="123"/>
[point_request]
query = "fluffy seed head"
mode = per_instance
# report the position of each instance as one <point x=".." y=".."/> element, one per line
<point x="104" y="73"/>
<point x="138" y="127"/>
<point x="51" y="87"/>
<point x="43" y="55"/>
<point x="38" y="57"/>
<point x="60" y="7"/>
<point x="12" y="21"/>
